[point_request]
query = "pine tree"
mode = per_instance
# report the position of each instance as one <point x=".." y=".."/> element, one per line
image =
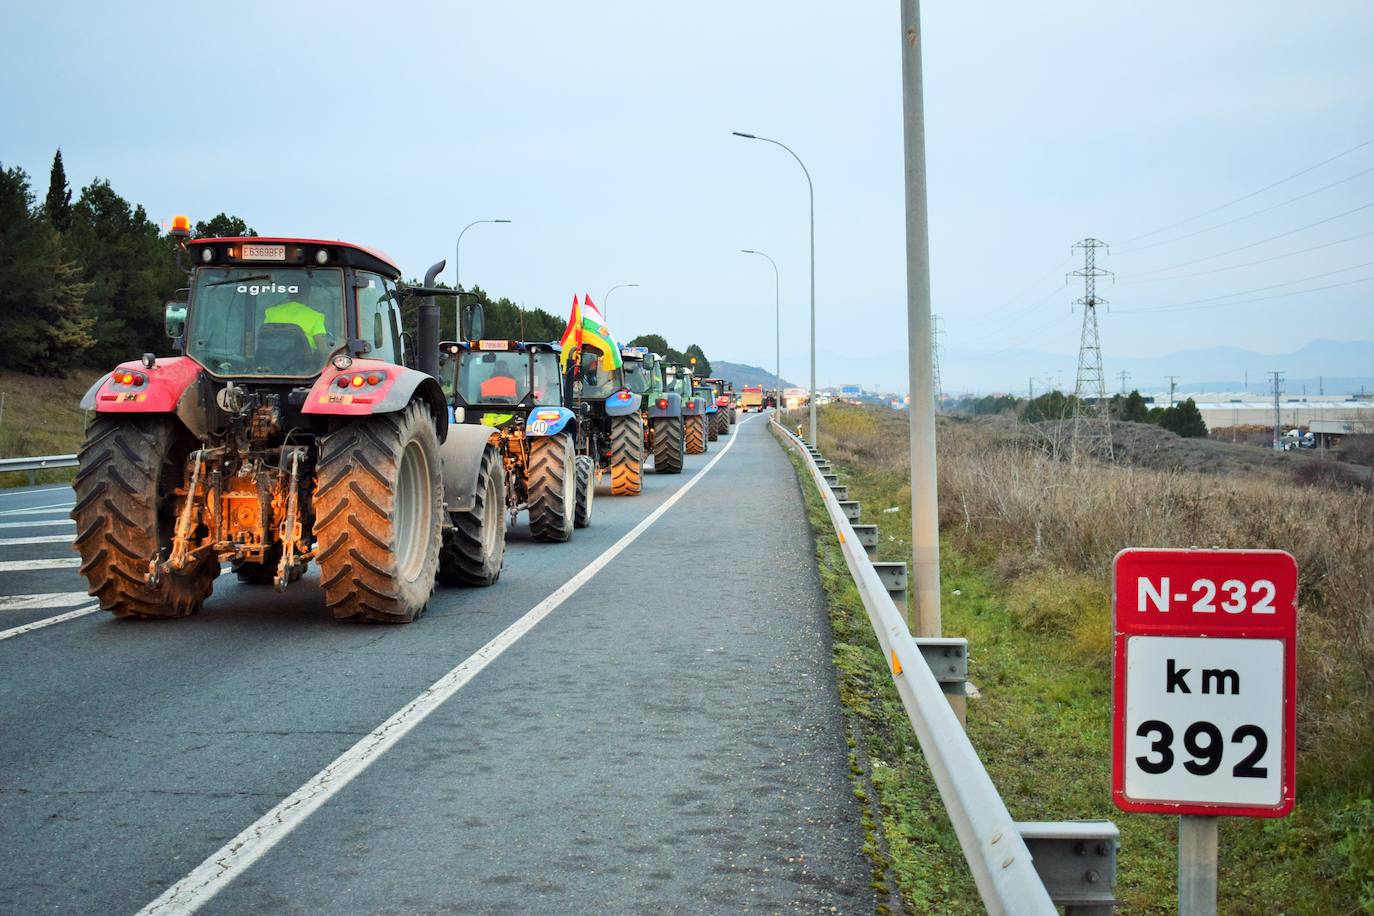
<point x="1185" y="420"/>
<point x="42" y="317"/>
<point x="58" y="204"/>
<point x="224" y="226"/>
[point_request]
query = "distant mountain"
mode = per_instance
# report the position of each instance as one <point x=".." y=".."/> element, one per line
<point x="739" y="375"/>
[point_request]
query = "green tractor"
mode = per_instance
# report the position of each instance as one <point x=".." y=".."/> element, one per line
<point x="663" y="408"/>
<point x="610" y="430"/>
<point x="694" y="416"/>
<point x="517" y="390"/>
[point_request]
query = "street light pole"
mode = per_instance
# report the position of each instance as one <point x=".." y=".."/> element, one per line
<point x="457" y="277"/>
<point x="607" y="298"/>
<point x="811" y="190"/>
<point x="777" y="316"/>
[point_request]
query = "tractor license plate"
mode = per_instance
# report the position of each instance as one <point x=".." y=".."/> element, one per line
<point x="264" y="252"/>
<point x="493" y="345"/>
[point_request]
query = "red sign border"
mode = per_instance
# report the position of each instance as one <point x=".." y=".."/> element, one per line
<point x="1290" y="693"/>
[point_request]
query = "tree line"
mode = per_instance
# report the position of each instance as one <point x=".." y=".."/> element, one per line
<point x="1182" y="418"/>
<point x="83" y="282"/>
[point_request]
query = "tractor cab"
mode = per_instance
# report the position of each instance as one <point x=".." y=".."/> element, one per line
<point x="496" y="380"/>
<point x="278" y="308"/>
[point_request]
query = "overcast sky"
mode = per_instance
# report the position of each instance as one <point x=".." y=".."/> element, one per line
<point x="602" y="130"/>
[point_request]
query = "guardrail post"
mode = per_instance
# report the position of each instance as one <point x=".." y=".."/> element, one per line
<point x="840" y="491"/>
<point x="894" y="580"/>
<point x="1076" y="861"/>
<point x="868" y="537"/>
<point x="850" y="508"/>
<point x="33" y="477"/>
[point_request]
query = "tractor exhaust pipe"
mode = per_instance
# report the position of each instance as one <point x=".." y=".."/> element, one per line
<point x="427" y="332"/>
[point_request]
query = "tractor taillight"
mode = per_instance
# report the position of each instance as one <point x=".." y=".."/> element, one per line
<point x="342" y="381"/>
<point x="623" y="395"/>
<point x="132" y="379"/>
<point x="358" y="381"/>
<point x="375" y="379"/>
<point x="662" y="403"/>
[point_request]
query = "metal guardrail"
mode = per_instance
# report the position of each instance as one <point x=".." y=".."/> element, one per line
<point x="34" y="465"/>
<point x="1002" y="866"/>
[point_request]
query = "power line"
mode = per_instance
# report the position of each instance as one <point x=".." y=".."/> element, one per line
<point x="1260" y="242"/>
<point x="1246" y="216"/>
<point x="1245" y="197"/>
<point x="1257" y="289"/>
<point x="1297" y="292"/>
<point x="1277" y="257"/>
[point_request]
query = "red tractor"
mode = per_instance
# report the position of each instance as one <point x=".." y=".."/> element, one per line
<point x="293" y="428"/>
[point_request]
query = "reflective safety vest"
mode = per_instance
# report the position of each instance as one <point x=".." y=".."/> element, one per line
<point x="301" y="315"/>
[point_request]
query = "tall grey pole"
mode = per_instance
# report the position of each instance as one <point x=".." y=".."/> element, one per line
<point x="925" y="513"/>
<point x="605" y="313"/>
<point x="458" y="278"/>
<point x="811" y="191"/>
<point x="777" y="317"/>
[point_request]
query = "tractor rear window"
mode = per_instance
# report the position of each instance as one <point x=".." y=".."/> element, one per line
<point x="637" y="377"/>
<point x="255" y="322"/>
<point x="506" y="377"/>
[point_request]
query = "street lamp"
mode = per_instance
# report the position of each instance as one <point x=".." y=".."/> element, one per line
<point x="777" y="314"/>
<point x="457" y="277"/>
<point x="812" y="192"/>
<point x="607" y="298"/>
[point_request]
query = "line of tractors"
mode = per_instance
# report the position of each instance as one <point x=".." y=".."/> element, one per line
<point x="299" y="423"/>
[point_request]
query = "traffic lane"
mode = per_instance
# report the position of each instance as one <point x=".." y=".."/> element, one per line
<point x="631" y="753"/>
<point x="28" y="497"/>
<point x="147" y="744"/>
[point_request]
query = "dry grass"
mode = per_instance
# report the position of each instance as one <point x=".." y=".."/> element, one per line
<point x="1051" y="529"/>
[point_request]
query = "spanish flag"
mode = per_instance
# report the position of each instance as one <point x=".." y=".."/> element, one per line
<point x="586" y="328"/>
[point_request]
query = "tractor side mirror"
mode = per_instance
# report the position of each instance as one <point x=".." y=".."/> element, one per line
<point x="475" y="321"/>
<point x="175" y="319"/>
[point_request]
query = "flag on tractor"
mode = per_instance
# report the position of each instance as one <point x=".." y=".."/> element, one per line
<point x="586" y="328"/>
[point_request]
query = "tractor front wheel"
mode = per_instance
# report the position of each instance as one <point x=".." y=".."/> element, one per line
<point x="668" y="445"/>
<point x="474" y="549"/>
<point x="627" y="454"/>
<point x="378" y="504"/>
<point x="586" y="490"/>
<point x="126" y="509"/>
<point x="551" y="481"/>
<point x="696" y="434"/>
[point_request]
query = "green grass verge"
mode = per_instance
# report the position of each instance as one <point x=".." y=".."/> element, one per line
<point x="1042" y="728"/>
<point x="42" y="416"/>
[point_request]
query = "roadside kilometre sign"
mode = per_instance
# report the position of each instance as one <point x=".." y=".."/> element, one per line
<point x="1204" y="681"/>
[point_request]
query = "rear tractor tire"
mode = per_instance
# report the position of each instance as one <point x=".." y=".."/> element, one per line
<point x="551" y="481"/>
<point x="586" y="490"/>
<point x="627" y="455"/>
<point x="713" y="426"/>
<point x="379" y="504"/>
<point x="129" y="469"/>
<point x="668" y="445"/>
<point x="474" y="548"/>
<point x="696" y="434"/>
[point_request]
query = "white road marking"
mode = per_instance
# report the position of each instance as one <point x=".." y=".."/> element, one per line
<point x="39" y="523"/>
<point x="40" y="490"/>
<point x="211" y="876"/>
<point x="50" y="599"/>
<point x="36" y="539"/>
<point x="48" y="621"/>
<point x="27" y="565"/>
<point x="40" y="510"/>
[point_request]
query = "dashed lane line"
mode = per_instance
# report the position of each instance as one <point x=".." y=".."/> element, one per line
<point x="31" y="492"/>
<point x="43" y="600"/>
<point x="36" y="539"/>
<point x="29" y="565"/>
<point x="48" y="621"/>
<point x="40" y="523"/>
<point x="39" y="510"/>
<point x="211" y="876"/>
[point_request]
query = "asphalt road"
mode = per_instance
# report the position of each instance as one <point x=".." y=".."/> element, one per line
<point x="665" y="737"/>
